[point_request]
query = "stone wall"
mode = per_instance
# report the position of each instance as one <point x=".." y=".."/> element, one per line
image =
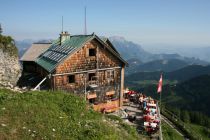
<point x="10" y="69"/>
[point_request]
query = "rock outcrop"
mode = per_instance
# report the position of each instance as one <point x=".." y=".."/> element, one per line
<point x="10" y="69"/>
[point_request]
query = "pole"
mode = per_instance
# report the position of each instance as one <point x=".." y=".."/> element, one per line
<point x="160" y="100"/>
<point x="85" y="89"/>
<point x="85" y="30"/>
<point x="161" y="137"/>
<point x="62" y="24"/>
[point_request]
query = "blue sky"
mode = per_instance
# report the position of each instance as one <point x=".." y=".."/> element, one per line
<point x="148" y="22"/>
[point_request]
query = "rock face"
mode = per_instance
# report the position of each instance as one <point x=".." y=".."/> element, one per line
<point x="10" y="69"/>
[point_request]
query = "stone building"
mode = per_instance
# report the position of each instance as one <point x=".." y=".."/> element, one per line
<point x="81" y="64"/>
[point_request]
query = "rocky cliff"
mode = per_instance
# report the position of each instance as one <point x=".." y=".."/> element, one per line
<point x="10" y="69"/>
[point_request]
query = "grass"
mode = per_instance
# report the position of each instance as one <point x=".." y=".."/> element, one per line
<point x="55" y="115"/>
<point x="199" y="130"/>
<point x="169" y="133"/>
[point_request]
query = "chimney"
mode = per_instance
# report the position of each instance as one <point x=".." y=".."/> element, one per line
<point x="64" y="36"/>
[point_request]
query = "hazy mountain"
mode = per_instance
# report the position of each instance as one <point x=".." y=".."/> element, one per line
<point x="201" y="52"/>
<point x="129" y="49"/>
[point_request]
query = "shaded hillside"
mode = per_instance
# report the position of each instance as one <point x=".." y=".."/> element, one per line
<point x="178" y="75"/>
<point x="188" y="72"/>
<point x="193" y="94"/>
<point x="54" y="115"/>
<point x="133" y="63"/>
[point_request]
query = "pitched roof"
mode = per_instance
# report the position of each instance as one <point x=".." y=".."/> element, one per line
<point x="57" y="52"/>
<point x="34" y="51"/>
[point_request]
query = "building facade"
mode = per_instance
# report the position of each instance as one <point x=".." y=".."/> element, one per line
<point x="82" y="64"/>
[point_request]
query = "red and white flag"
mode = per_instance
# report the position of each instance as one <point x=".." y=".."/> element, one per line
<point x="159" y="90"/>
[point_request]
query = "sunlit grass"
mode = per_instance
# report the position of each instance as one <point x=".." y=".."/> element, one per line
<point x="54" y="115"/>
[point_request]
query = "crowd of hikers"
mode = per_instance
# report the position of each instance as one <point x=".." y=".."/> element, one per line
<point x="151" y="118"/>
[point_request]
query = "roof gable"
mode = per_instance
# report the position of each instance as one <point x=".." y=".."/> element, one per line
<point x="107" y="41"/>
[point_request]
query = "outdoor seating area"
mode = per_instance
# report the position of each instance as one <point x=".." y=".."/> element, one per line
<point x="148" y="106"/>
<point x="151" y="116"/>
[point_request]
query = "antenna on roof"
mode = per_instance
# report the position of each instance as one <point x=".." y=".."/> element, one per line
<point x="62" y="23"/>
<point x="85" y="30"/>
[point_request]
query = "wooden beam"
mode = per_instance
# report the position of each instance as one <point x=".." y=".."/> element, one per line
<point x="122" y="85"/>
<point x="87" y="71"/>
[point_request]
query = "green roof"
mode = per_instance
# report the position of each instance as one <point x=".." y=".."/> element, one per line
<point x="56" y="52"/>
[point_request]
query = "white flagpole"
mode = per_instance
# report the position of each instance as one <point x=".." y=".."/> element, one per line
<point x="161" y="138"/>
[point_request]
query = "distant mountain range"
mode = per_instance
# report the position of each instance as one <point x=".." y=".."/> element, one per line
<point x="201" y="52"/>
<point x="138" y="58"/>
<point x="131" y="50"/>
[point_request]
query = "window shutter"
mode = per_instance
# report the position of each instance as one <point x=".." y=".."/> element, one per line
<point x="87" y="52"/>
<point x="64" y="80"/>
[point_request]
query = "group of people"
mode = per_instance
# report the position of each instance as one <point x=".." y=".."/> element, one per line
<point x="150" y="110"/>
<point x="151" y="117"/>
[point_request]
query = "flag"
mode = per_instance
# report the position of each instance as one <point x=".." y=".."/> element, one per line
<point x="159" y="90"/>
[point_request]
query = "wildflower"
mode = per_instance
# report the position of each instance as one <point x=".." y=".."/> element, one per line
<point x="3" y="124"/>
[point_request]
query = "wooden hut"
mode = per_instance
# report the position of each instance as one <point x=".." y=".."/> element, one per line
<point x="82" y="64"/>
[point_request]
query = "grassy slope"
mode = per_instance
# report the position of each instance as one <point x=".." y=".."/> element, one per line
<point x="50" y="115"/>
<point x="199" y="130"/>
<point x="169" y="133"/>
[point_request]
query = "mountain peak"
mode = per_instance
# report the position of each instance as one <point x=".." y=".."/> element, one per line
<point x="117" y="38"/>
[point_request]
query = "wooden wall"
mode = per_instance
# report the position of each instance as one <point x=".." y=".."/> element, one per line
<point x="81" y="61"/>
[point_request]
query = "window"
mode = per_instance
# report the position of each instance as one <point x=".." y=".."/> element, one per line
<point x="71" y="78"/>
<point x="110" y="74"/>
<point x="92" y="52"/>
<point x="91" y="76"/>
